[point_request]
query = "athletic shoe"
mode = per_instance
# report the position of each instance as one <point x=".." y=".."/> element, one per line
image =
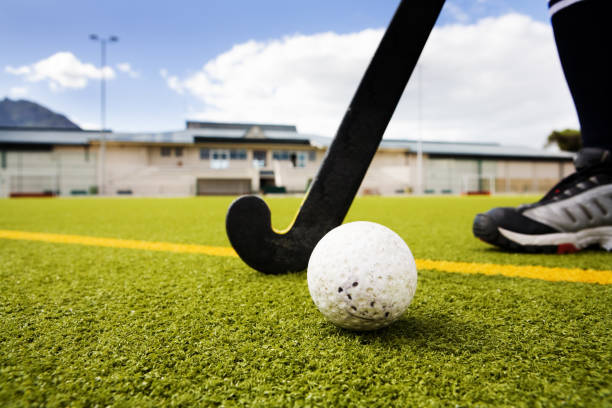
<point x="575" y="214"/>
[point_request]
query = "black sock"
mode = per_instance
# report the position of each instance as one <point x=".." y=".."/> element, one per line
<point x="583" y="36"/>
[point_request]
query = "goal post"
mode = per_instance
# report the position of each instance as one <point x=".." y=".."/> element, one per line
<point x="477" y="184"/>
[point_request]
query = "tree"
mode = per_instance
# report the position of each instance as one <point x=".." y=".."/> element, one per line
<point x="568" y="140"/>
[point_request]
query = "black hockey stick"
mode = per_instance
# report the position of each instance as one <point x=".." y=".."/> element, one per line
<point x="248" y="221"/>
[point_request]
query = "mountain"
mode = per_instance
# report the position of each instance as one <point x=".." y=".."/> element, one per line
<point x="24" y="113"/>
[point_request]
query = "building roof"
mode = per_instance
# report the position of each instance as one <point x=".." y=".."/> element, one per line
<point x="239" y="126"/>
<point x="454" y="149"/>
<point x="202" y="132"/>
<point x="44" y="136"/>
<point x="470" y="149"/>
<point x="198" y="132"/>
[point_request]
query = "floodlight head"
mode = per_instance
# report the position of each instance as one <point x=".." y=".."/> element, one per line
<point x="113" y="38"/>
<point x="93" y="37"/>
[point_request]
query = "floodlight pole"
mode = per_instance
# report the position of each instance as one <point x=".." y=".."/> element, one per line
<point x="102" y="156"/>
<point x="419" y="189"/>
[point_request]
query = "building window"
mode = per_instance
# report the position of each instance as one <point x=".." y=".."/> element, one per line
<point x="238" y="154"/>
<point x="166" y="151"/>
<point x="178" y="151"/>
<point x="281" y="155"/>
<point x="259" y="158"/>
<point x="204" y="154"/>
<point x="312" y="155"/>
<point x="86" y="153"/>
<point x="302" y="158"/>
<point x="297" y="158"/>
<point x="3" y="158"/>
<point x="219" y="158"/>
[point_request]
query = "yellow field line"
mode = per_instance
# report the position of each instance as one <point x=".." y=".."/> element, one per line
<point x="118" y="243"/>
<point x="523" y="271"/>
<point x="603" y="277"/>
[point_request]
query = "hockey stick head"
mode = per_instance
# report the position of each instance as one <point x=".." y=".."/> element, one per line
<point x="249" y="229"/>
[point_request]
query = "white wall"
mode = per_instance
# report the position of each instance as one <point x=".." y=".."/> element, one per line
<point x="389" y="173"/>
<point x="142" y="170"/>
<point x="64" y="170"/>
<point x="392" y="172"/>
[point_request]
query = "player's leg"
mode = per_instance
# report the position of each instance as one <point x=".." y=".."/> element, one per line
<point x="577" y="212"/>
<point x="583" y="38"/>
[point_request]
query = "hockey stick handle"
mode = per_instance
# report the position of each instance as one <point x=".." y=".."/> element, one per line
<point x="366" y="119"/>
<point x="248" y="221"/>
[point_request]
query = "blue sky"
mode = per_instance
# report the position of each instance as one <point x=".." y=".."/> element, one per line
<point x="181" y="37"/>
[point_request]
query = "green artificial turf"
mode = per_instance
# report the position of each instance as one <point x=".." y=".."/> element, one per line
<point x="91" y="326"/>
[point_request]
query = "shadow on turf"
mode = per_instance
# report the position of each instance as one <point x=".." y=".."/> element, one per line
<point x="433" y="331"/>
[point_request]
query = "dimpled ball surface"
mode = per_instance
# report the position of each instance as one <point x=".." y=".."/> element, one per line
<point x="362" y="276"/>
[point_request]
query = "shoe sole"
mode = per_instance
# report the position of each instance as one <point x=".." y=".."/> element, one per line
<point x="487" y="230"/>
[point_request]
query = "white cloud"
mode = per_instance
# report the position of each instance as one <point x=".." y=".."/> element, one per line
<point x="498" y="79"/>
<point x="61" y="70"/>
<point x="457" y="12"/>
<point x="126" y="67"/>
<point x="172" y="81"/>
<point x="18" y="92"/>
<point x="18" y="71"/>
<point x="175" y="84"/>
